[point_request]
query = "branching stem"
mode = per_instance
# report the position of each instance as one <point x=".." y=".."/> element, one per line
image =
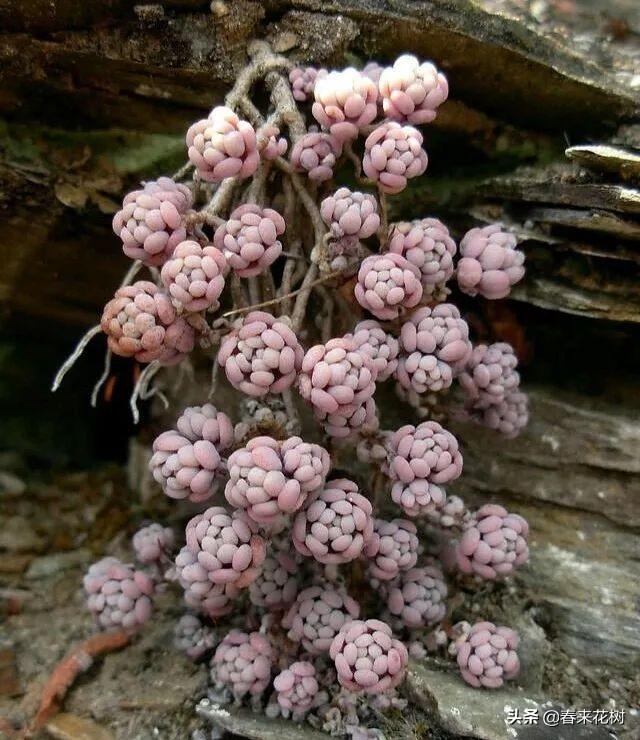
<point x="305" y="287"/>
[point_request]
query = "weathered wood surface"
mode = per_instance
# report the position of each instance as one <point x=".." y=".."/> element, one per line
<point x="97" y="95"/>
<point x="574" y="473"/>
<point x="516" y="85"/>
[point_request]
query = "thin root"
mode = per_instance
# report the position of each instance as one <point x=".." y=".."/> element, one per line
<point x="305" y="287"/>
<point x="101" y="380"/>
<point x="74" y="356"/>
<point x="142" y="391"/>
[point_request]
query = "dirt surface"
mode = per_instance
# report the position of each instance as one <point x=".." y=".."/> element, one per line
<point x="53" y="527"/>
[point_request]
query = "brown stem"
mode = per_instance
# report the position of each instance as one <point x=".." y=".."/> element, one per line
<point x="262" y="63"/>
<point x="303" y="194"/>
<point x="305" y="287"/>
<point x="383" y="231"/>
<point x="237" y="291"/>
<point x="220" y="201"/>
<point x="327" y="319"/>
<point x="268" y="285"/>
<point x="304" y="292"/>
<point x="184" y="170"/>
<point x="254" y="289"/>
<point x="357" y="165"/>
<point x="281" y="95"/>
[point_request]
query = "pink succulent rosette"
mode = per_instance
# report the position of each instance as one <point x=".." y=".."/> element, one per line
<point x="487" y="656"/>
<point x="243" y="662"/>
<point x="151" y="221"/>
<point x="508" y="417"/>
<point x="373" y="70"/>
<point x="427" y="245"/>
<point x="421" y="459"/>
<point x="303" y="81"/>
<point x="393" y="154"/>
<point x="350" y="214"/>
<point x="335" y="527"/>
<point x="387" y="284"/>
<point x="227" y="545"/>
<point x="277" y="585"/>
<point x="296" y="687"/>
<point x="222" y="146"/>
<point x="494" y="543"/>
<point x="186" y="461"/>
<point x="490" y="374"/>
<point x="194" y="277"/>
<point x="412" y="91"/>
<point x="352" y="421"/>
<point x="435" y="347"/>
<point x="249" y="239"/>
<point x="316" y="153"/>
<point x="192" y="637"/>
<point x="317" y="615"/>
<point x="335" y="377"/>
<point x="152" y="543"/>
<point x="270" y="144"/>
<point x="378" y="345"/>
<point x="118" y="596"/>
<point x="368" y="658"/>
<point x="345" y="102"/>
<point x="268" y="478"/>
<point x="417" y="597"/>
<point x="489" y="264"/>
<point x="141" y="322"/>
<point x="200" y="592"/>
<point x="393" y="547"/>
<point x="452" y="514"/>
<point x="261" y="354"/>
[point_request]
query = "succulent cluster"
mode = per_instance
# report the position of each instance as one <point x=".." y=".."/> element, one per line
<point x="278" y="259"/>
<point x="187" y="461"/>
<point x="487" y="655"/>
<point x="117" y="595"/>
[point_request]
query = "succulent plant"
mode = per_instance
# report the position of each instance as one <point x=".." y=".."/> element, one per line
<point x="367" y="656"/>
<point x="117" y="595"/>
<point x="487" y="656"/>
<point x="257" y="276"/>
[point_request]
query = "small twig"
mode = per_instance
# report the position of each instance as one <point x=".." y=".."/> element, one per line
<point x="215" y="372"/>
<point x="268" y="285"/>
<point x="237" y="292"/>
<point x="251" y="111"/>
<point x="327" y="320"/>
<point x="101" y="380"/>
<point x="307" y="201"/>
<point x="254" y="289"/>
<point x="383" y="231"/>
<point x="264" y="61"/>
<point x="256" y="191"/>
<point x="357" y="164"/>
<point x="304" y="287"/>
<point x="131" y="273"/>
<point x="292" y="411"/>
<point x="179" y="174"/>
<point x="220" y="201"/>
